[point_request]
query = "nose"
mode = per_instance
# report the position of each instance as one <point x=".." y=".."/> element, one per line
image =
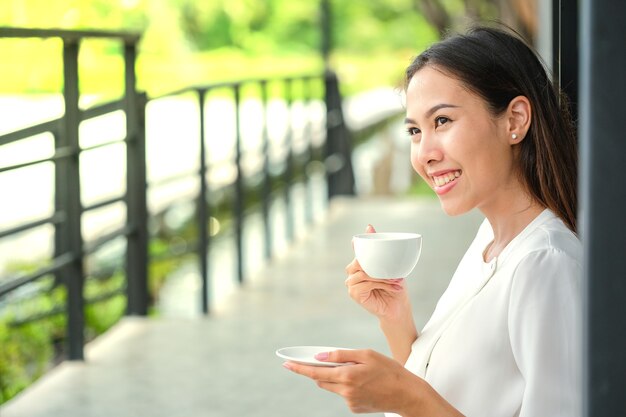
<point x="428" y="150"/>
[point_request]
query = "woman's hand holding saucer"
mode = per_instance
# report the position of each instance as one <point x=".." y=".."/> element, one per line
<point x="371" y="384"/>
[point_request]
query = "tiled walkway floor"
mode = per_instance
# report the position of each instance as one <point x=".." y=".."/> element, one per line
<point x="224" y="365"/>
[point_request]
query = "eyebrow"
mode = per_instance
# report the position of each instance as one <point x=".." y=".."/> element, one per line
<point x="432" y="110"/>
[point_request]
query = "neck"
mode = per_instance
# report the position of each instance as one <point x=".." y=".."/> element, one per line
<point x="509" y="223"/>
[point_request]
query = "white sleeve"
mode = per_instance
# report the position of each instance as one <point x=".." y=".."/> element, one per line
<point x="545" y="332"/>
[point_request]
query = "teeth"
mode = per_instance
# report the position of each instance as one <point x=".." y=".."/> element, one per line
<point x="446" y="178"/>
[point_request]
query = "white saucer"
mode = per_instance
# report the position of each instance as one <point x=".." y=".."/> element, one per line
<point x="306" y="355"/>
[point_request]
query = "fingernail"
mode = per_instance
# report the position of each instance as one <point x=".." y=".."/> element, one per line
<point x="322" y="356"/>
<point x="287" y="365"/>
<point x="369" y="228"/>
<point x="397" y="287"/>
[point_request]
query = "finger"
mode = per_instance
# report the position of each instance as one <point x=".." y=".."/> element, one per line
<point x="345" y="355"/>
<point x="368" y="229"/>
<point x="359" y="284"/>
<point x="357" y="278"/>
<point x="316" y="373"/>
<point x="330" y="386"/>
<point x="353" y="267"/>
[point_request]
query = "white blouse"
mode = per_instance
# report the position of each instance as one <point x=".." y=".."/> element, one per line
<point x="505" y="337"/>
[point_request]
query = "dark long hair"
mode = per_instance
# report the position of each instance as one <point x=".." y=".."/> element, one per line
<point x="498" y="66"/>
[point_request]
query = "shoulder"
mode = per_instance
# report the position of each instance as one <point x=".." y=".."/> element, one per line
<point x="547" y="260"/>
<point x="549" y="241"/>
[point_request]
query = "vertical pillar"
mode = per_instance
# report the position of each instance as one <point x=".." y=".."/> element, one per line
<point x="266" y="190"/>
<point x="203" y="210"/>
<point x="68" y="179"/>
<point x="239" y="188"/>
<point x="603" y="211"/>
<point x="338" y="149"/>
<point x="136" y="184"/>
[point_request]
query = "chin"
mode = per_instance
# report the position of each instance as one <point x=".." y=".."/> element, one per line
<point x="453" y="209"/>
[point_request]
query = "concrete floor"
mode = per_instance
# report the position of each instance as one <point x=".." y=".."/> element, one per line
<point x="224" y="364"/>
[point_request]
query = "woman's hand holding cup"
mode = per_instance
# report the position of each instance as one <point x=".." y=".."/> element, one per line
<point x="385" y="298"/>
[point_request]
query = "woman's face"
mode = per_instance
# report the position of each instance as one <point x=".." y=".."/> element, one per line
<point x="457" y="146"/>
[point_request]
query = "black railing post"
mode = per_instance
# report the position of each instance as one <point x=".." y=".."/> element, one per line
<point x="267" y="181"/>
<point x="239" y="196"/>
<point x="338" y="152"/>
<point x="203" y="210"/>
<point x="136" y="184"/>
<point x="68" y="170"/>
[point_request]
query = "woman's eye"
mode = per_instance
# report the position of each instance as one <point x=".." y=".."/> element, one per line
<point x="412" y="131"/>
<point x="441" y="120"/>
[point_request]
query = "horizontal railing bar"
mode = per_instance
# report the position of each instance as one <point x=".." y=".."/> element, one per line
<point x="101" y="110"/>
<point x="91" y="247"/>
<point x="173" y="178"/>
<point x="234" y="84"/>
<point x="9" y="32"/>
<point x="37" y="317"/>
<point x="59" y="154"/>
<point x="195" y="173"/>
<point x="106" y="295"/>
<point x="56" y="218"/>
<point x="58" y="263"/>
<point x="27" y="132"/>
<point x="161" y="256"/>
<point x="104" y="203"/>
<point x="62" y="309"/>
<point x="51" y="126"/>
<point x="192" y="247"/>
<point x="103" y="145"/>
<point x="102" y="273"/>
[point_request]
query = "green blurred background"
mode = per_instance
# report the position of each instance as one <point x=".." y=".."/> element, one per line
<point x="193" y="42"/>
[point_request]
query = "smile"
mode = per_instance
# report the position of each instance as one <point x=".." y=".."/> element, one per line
<point x="441" y="180"/>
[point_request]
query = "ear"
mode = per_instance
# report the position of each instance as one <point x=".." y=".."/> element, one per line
<point x="519" y="116"/>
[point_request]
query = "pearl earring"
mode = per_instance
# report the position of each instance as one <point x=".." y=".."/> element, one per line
<point x="514" y="136"/>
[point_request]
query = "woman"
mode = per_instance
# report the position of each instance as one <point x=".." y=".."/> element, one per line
<point x="489" y="131"/>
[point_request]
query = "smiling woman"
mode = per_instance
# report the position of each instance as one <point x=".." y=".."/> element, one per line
<point x="461" y="146"/>
<point x="489" y="132"/>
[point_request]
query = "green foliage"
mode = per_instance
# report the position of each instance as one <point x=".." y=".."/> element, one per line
<point x="379" y="25"/>
<point x="189" y="42"/>
<point x="160" y="269"/>
<point x="103" y="315"/>
<point x="100" y="316"/>
<point x="30" y="346"/>
<point x="24" y="357"/>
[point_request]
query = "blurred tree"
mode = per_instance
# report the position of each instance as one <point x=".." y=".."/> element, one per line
<point x="520" y="15"/>
<point x="196" y="41"/>
<point x="250" y="25"/>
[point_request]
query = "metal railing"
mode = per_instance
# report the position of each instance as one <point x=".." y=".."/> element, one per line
<point x="332" y="152"/>
<point x="69" y="248"/>
<point x="275" y="178"/>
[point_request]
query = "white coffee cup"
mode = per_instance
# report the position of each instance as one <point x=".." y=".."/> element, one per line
<point x="387" y="255"/>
